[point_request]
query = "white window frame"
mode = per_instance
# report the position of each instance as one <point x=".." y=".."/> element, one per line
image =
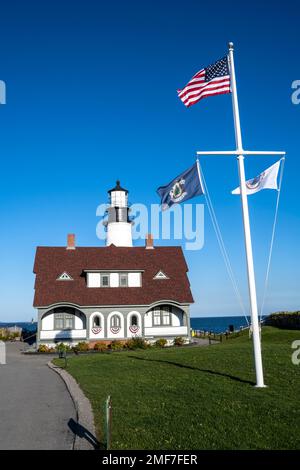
<point x="114" y="324"/>
<point x="64" y="317"/>
<point x="160" y="275"/>
<point x="102" y="275"/>
<point x="160" y="313"/>
<point x="125" y="275"/>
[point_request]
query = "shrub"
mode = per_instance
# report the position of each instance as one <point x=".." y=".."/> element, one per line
<point x="15" y="335"/>
<point x="81" y="347"/>
<point x="62" y="347"/>
<point x="287" y="320"/>
<point x="43" y="348"/>
<point x="178" y="341"/>
<point x="100" y="347"/>
<point x="116" y="345"/>
<point x="136" y="343"/>
<point x="161" y="343"/>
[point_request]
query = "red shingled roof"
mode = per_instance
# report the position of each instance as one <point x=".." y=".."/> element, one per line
<point x="51" y="262"/>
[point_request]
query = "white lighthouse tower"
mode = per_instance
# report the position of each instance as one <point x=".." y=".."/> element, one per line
<point x="118" y="223"/>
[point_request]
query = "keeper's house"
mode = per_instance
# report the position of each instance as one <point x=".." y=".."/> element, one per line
<point x="113" y="292"/>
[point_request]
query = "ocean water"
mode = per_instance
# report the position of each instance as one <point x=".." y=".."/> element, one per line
<point x="214" y="324"/>
<point x="218" y="324"/>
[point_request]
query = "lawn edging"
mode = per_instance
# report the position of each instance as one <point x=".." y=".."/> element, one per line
<point x="85" y="417"/>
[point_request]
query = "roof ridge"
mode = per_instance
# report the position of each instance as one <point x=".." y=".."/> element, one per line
<point x="114" y="247"/>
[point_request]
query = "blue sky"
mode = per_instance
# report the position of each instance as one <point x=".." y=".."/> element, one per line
<point x="91" y="97"/>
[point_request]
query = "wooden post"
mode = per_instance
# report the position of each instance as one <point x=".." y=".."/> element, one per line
<point x="108" y="422"/>
<point x="65" y="355"/>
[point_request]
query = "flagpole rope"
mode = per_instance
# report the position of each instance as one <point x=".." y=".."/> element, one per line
<point x="222" y="245"/>
<point x="272" y="241"/>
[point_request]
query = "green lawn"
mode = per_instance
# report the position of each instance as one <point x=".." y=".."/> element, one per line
<point x="197" y="398"/>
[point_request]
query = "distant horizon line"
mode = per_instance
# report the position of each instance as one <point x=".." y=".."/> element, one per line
<point x="192" y="316"/>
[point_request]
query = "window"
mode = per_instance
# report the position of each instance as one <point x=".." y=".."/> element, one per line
<point x="166" y="316"/>
<point x="64" y="277"/>
<point x="115" y="321"/>
<point x="68" y="321"/>
<point x="162" y="316"/>
<point x="123" y="280"/>
<point x="156" y="317"/>
<point x="63" y="320"/>
<point x="160" y="275"/>
<point x="121" y="214"/>
<point x="59" y="321"/>
<point x="104" y="280"/>
<point x="115" y="278"/>
<point x="134" y="321"/>
<point x="96" y="322"/>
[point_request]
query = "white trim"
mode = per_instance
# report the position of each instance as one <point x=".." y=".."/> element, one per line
<point x="121" y="332"/>
<point x="64" y="277"/>
<point x="161" y="275"/>
<point x="238" y="152"/>
<point x="139" y="332"/>
<point x="113" y="270"/>
<point x="99" y="335"/>
<point x="66" y="304"/>
<point x="61" y="335"/>
<point x="167" y="302"/>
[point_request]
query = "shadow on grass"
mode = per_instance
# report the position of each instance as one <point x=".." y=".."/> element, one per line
<point x="80" y="431"/>
<point x="206" y="371"/>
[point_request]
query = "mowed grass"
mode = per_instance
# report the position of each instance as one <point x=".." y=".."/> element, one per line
<point x="198" y="397"/>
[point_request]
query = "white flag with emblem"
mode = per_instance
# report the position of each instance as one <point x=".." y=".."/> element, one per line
<point x="266" y="180"/>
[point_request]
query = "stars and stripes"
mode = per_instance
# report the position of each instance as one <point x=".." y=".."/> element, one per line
<point x="210" y="81"/>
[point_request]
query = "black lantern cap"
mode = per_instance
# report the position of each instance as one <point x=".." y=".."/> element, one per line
<point x="118" y="188"/>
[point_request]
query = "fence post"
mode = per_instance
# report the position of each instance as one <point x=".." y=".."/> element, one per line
<point x="108" y="422"/>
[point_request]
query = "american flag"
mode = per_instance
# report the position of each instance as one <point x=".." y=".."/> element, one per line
<point x="213" y="80"/>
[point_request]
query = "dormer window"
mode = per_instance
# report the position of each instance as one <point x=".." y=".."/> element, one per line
<point x="123" y="280"/>
<point x="64" y="277"/>
<point x="104" y="280"/>
<point x="160" y="275"/>
<point x="114" y="278"/>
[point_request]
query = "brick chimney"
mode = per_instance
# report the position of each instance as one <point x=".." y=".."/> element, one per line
<point x="149" y="241"/>
<point x="71" y="241"/>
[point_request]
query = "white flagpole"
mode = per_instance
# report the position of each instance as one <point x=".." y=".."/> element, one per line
<point x="199" y="174"/>
<point x="247" y="233"/>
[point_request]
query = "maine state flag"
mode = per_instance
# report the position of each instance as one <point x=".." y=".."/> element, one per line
<point x="185" y="186"/>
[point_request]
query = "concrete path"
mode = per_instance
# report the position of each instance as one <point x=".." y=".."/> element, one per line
<point x="35" y="406"/>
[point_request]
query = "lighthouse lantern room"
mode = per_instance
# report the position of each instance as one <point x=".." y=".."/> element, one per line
<point x="118" y="222"/>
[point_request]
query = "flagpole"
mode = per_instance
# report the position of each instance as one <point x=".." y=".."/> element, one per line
<point x="199" y="174"/>
<point x="246" y="222"/>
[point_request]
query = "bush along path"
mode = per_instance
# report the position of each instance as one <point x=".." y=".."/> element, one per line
<point x="114" y="345"/>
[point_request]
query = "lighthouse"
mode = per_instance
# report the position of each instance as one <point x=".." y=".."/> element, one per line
<point x="118" y="223"/>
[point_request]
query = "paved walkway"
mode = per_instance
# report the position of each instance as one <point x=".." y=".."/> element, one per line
<point x="35" y="406"/>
